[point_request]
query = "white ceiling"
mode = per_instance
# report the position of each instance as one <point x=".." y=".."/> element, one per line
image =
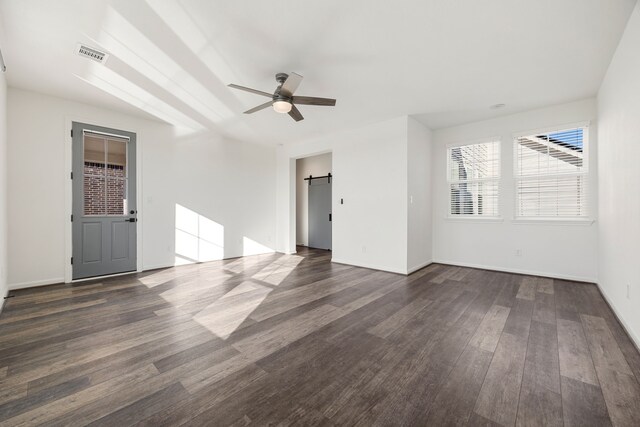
<point x="443" y="61"/>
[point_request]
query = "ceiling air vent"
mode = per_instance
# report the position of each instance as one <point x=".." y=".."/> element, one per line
<point x="92" y="53"/>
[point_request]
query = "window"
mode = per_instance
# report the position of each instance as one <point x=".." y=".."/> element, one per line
<point x="105" y="175"/>
<point x="551" y="174"/>
<point x="473" y="176"/>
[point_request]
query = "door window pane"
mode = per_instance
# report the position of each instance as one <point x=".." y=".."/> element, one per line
<point x="116" y="196"/>
<point x="94" y="155"/>
<point x="94" y="200"/>
<point x="116" y="177"/>
<point x="116" y="158"/>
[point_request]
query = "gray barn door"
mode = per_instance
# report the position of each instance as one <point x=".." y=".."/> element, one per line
<point x="320" y="214"/>
<point x="104" y="201"/>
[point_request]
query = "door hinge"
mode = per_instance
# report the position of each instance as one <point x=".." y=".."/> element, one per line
<point x="71" y="260"/>
<point x="329" y="217"/>
<point x="71" y="174"/>
<point x="71" y="133"/>
<point x="71" y="217"/>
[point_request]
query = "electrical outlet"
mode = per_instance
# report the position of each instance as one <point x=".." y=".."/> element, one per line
<point x="518" y="252"/>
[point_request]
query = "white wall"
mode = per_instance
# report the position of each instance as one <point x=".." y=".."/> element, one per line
<point x="3" y="189"/>
<point x="319" y="165"/>
<point x="370" y="174"/>
<point x="419" y="235"/>
<point x="619" y="207"/>
<point x="229" y="182"/>
<point x="547" y="249"/>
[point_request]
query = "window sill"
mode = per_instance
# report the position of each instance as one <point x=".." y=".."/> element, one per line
<point x="553" y="221"/>
<point x="488" y="220"/>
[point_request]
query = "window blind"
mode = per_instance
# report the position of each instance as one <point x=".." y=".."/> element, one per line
<point x="551" y="174"/>
<point x="473" y="178"/>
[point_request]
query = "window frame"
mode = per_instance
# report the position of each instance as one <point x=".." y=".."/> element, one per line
<point x="587" y="219"/>
<point x="497" y="179"/>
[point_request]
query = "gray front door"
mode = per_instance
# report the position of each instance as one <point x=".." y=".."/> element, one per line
<point x="320" y="214"/>
<point x="104" y="201"/>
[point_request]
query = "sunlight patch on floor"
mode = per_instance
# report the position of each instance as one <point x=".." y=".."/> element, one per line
<point x="277" y="271"/>
<point x="227" y="314"/>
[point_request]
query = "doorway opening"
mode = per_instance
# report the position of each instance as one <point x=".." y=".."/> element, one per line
<point x="104" y="211"/>
<point x="313" y="201"/>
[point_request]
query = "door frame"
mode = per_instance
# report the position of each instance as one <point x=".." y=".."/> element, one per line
<point x="291" y="241"/>
<point x="68" y="190"/>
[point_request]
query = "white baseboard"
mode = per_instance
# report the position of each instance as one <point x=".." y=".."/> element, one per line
<point x="519" y="271"/>
<point x="156" y="267"/>
<point x="33" y="284"/>
<point x="2" y="301"/>
<point x="419" y="266"/>
<point x="369" y="266"/>
<point x="634" y="338"/>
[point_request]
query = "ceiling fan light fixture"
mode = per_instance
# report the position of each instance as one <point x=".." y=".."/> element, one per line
<point x="282" y="107"/>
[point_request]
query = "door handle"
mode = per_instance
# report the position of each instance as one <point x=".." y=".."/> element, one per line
<point x="133" y="219"/>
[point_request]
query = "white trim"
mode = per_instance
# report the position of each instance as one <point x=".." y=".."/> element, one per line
<point x="585" y="222"/>
<point x="156" y="267"/>
<point x="634" y="338"/>
<point x="474" y="218"/>
<point x="4" y="299"/>
<point x="476" y="141"/>
<point x="519" y="271"/>
<point x="549" y="129"/>
<point x="34" y="283"/>
<point x="369" y="266"/>
<point x="418" y="267"/>
<point x="68" y="188"/>
<point x="107" y="276"/>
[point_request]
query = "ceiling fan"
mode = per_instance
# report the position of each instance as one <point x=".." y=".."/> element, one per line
<point x="283" y="100"/>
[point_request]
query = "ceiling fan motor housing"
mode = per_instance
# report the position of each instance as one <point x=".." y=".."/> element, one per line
<point x="281" y="78"/>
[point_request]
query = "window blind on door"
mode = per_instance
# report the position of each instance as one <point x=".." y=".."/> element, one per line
<point x="473" y="178"/>
<point x="551" y="174"/>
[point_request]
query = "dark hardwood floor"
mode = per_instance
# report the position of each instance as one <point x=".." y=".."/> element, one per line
<point x="282" y="340"/>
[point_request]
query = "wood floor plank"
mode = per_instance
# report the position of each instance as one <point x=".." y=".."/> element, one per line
<point x="622" y="394"/>
<point x="544" y="309"/>
<point x="527" y="288"/>
<point x="544" y="285"/>
<point x="519" y="318"/>
<point x="488" y="333"/>
<point x="575" y="358"/>
<point x="498" y="397"/>
<point x="583" y="404"/>
<point x="400" y="318"/>
<point x="455" y="402"/>
<point x="540" y="395"/>
<point x="619" y="385"/>
<point x="48" y="412"/>
<point x="604" y="349"/>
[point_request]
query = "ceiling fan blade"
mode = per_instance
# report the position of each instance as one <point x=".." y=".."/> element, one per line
<point x="248" y="89"/>
<point x="259" y="107"/>
<point x="291" y="84"/>
<point x="295" y="114"/>
<point x="311" y="100"/>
